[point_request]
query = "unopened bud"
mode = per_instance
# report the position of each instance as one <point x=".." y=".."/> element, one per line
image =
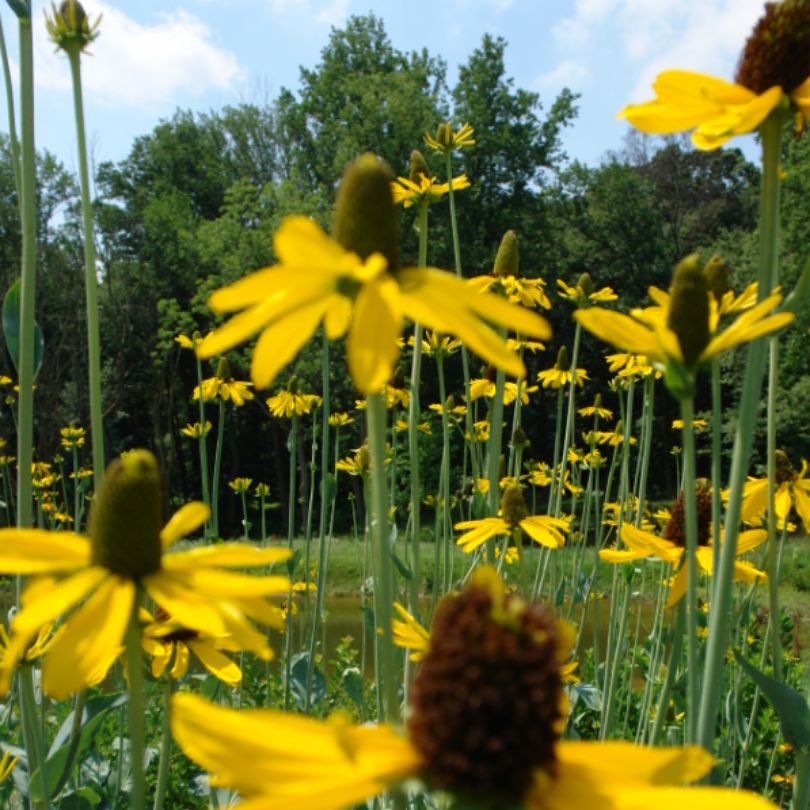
<point x="418" y="167"/>
<point x="689" y="308"/>
<point x="507" y="260"/>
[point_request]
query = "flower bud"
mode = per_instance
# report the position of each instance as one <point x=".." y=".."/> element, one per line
<point x="127" y="516"/>
<point x="563" y="363"/>
<point x="513" y="505"/>
<point x="717" y="274"/>
<point x="365" y="220"/>
<point x="508" y="259"/>
<point x="418" y="167"/>
<point x="689" y="308"/>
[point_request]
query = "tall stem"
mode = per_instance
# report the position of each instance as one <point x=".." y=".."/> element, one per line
<point x="25" y="428"/>
<point x="90" y="280"/>
<point x="569" y="420"/>
<point x="690" y="512"/>
<point x="387" y="679"/>
<point x="137" y="730"/>
<point x="292" y="445"/>
<point x="165" y="747"/>
<point x="719" y="618"/>
<point x="202" y="445"/>
<point x="217" y="469"/>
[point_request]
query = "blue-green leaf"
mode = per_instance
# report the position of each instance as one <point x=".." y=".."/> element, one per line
<point x="792" y="708"/>
<point x="11" y="329"/>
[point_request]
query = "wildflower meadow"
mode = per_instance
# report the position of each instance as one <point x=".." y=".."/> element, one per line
<point x="361" y="451"/>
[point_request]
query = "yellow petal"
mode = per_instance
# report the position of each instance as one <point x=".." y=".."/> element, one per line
<point x="377" y="325"/>
<point x="91" y="640"/>
<point x="481" y="531"/>
<point x="281" y="340"/>
<point x="621" y="331"/>
<point x="184" y="521"/>
<point x="614" y="764"/>
<point x="301" y="242"/>
<point x="227" y="555"/>
<point x="36" y="551"/>
<point x="181" y="656"/>
<point x="219" y="665"/>
<point x="545" y="530"/>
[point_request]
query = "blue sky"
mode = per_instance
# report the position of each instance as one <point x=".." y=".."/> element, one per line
<point x="153" y="57"/>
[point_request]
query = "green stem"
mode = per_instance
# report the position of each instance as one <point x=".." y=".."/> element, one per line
<point x="202" y="444"/>
<point x="137" y="729"/>
<point x="217" y="470"/>
<point x="444" y="505"/>
<point x="717" y="463"/>
<point x="327" y="495"/>
<point x="569" y="419"/>
<point x="719" y="618"/>
<point x="801" y="784"/>
<point x="34" y="743"/>
<point x="674" y="659"/>
<point x="90" y="278"/>
<point x="556" y="457"/>
<point x="690" y="512"/>
<point x="494" y="452"/>
<point x="165" y="747"/>
<point x="773" y="576"/>
<point x="293" y="447"/>
<point x="25" y="429"/>
<point x="387" y="679"/>
<point x="12" y="126"/>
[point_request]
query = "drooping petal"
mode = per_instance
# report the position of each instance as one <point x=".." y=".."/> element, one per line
<point x="36" y="551"/>
<point x="183" y="522"/>
<point x="273" y="756"/>
<point x="281" y="340"/>
<point x="92" y="639"/>
<point x="677" y="587"/>
<point x="372" y="347"/>
<point x="480" y="532"/>
<point x="227" y="555"/>
<point x="545" y="530"/>
<point x="181" y="657"/>
<point x="218" y="664"/>
<point x="621" y="331"/>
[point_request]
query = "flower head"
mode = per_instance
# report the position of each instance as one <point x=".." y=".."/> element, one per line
<point x="447" y="141"/>
<point x="69" y="28"/>
<point x="351" y="285"/>
<point x="224" y="387"/>
<point x="291" y="401"/>
<point x="125" y="550"/>
<point x="584" y="294"/>
<point x="543" y="529"/>
<point x="72" y="436"/>
<point x="427" y="189"/>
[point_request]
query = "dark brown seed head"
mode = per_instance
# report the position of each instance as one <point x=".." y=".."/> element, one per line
<point x="487" y="703"/>
<point x="777" y="52"/>
<point x="675" y="530"/>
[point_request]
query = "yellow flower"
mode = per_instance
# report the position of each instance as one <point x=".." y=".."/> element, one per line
<point x="486" y="388"/>
<point x="519" y="344"/>
<point x="543" y="529"/>
<point x="446" y="140"/>
<point x="401" y="425"/>
<point x="170" y="645"/>
<point x="530" y="292"/>
<point x="435" y="344"/>
<point x="72" y="437"/>
<point x="277" y="760"/>
<point x="631" y="365"/>
<point x="318" y="281"/>
<point x="340" y="419"/>
<point x="596" y="410"/>
<point x="698" y="425"/>
<point x="559" y="377"/>
<point x="186" y="342"/>
<point x="688" y="343"/>
<point x="408" y="633"/>
<point x="97" y="578"/>
<point x="408" y="192"/>
<point x="224" y="388"/>
<point x="585" y="293"/>
<point x="715" y="109"/>
<point x="792" y="488"/>
<point x="196" y="430"/>
<point x="286" y="403"/>
<point x="240" y="485"/>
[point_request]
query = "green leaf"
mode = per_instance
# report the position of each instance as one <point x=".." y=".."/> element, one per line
<point x="298" y="681"/>
<point x="57" y="762"/>
<point x="352" y="684"/>
<point x="792" y="708"/>
<point x="11" y="329"/>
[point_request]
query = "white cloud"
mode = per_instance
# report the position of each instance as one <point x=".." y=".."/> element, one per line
<point x="567" y="74"/>
<point x="141" y="65"/>
<point x="333" y="12"/>
<point x="652" y="35"/>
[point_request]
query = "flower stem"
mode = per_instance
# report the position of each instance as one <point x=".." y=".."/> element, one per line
<point x="34" y="744"/>
<point x="690" y="513"/>
<point x="217" y="469"/>
<point x="569" y="419"/>
<point x="90" y="280"/>
<point x="25" y="428"/>
<point x="165" y="747"/>
<point x="292" y="444"/>
<point x="719" y="617"/>
<point x="387" y="679"/>
<point x="137" y="730"/>
<point x="202" y="444"/>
